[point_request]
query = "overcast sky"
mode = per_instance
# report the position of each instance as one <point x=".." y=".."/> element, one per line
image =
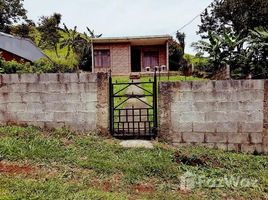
<point x="124" y="17"/>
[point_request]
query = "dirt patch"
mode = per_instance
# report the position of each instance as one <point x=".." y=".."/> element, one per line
<point x="193" y="160"/>
<point x="15" y="169"/>
<point x="106" y="186"/>
<point x="143" y="188"/>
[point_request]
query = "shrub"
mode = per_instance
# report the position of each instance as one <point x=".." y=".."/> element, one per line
<point x="41" y="66"/>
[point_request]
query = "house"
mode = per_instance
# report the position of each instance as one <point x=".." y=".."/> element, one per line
<point x="19" y="49"/>
<point x="123" y="55"/>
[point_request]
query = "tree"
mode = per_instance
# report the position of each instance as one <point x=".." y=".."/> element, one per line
<point x="176" y="52"/>
<point x="240" y="16"/>
<point x="257" y="53"/>
<point x="181" y="38"/>
<point x="227" y="29"/>
<point x="11" y="12"/>
<point x="49" y="30"/>
<point x="22" y="30"/>
<point x="80" y="44"/>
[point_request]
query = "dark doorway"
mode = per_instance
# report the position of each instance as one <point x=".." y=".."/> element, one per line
<point x="135" y="60"/>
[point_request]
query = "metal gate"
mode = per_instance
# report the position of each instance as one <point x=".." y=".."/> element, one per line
<point x="133" y="121"/>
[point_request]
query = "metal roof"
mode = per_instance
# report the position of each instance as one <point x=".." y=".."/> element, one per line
<point x="22" y="47"/>
<point x="135" y="40"/>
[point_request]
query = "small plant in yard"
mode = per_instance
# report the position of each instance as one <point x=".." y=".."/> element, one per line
<point x="61" y="164"/>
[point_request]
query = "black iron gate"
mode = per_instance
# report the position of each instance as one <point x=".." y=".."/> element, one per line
<point x="133" y="121"/>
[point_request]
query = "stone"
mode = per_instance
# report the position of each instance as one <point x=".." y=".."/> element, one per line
<point x="137" y="144"/>
<point x="248" y="127"/>
<point x="75" y="88"/>
<point x="252" y="84"/>
<point x="251" y="148"/>
<point x="16" y="107"/>
<point x="31" y="97"/>
<point x="175" y="137"/>
<point x="256" y="138"/>
<point x="49" y="78"/>
<point x="89" y="97"/>
<point x="35" y="107"/>
<point x="202" y="86"/>
<point x="216" y="137"/>
<point x="57" y="88"/>
<point x="206" y="127"/>
<point x="33" y="87"/>
<point x="204" y="106"/>
<point x="10" y="78"/>
<point x="182" y="127"/>
<point x="190" y="117"/>
<point x="185" y="86"/>
<point x="51" y="125"/>
<point x="227" y="106"/>
<point x="182" y="107"/>
<point x="216" y="116"/>
<point x="193" y="137"/>
<point x="28" y="78"/>
<point x="238" y="138"/>
<point x="227" y="127"/>
<point x="87" y="78"/>
<point x="222" y="85"/>
<point x="69" y="78"/>
<point x="233" y="147"/>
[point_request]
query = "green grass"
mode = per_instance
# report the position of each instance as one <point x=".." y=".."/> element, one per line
<point x="68" y="165"/>
<point x="148" y="86"/>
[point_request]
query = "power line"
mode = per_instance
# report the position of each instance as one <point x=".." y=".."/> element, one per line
<point x="193" y="19"/>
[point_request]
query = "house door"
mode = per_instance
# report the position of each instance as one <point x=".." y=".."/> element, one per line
<point x="135" y="60"/>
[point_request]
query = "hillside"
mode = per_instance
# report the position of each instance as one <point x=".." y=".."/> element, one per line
<point x="60" y="164"/>
<point x="61" y="58"/>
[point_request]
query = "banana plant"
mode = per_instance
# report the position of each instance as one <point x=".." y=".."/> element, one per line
<point x="73" y="41"/>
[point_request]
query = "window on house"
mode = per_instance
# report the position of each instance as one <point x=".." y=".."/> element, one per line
<point x="151" y="59"/>
<point x="102" y="58"/>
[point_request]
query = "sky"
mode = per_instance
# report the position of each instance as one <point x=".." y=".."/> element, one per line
<point x="114" y="18"/>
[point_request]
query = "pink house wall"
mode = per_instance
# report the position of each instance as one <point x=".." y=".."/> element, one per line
<point x="120" y="55"/>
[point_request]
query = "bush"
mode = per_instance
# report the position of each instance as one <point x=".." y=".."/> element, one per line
<point x="47" y="66"/>
<point x="42" y="66"/>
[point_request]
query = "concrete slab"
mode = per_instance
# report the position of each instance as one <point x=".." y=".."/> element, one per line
<point x="137" y="144"/>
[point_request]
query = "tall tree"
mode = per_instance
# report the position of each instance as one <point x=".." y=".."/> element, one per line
<point x="176" y="52"/>
<point x="49" y="29"/>
<point x="11" y="11"/>
<point x="80" y="44"/>
<point x="240" y="16"/>
<point x="181" y="39"/>
<point x="23" y="30"/>
<point x="228" y="25"/>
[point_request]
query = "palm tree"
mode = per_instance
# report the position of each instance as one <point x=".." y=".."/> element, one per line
<point x="73" y="41"/>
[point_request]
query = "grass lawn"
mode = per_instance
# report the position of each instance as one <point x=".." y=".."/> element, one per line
<point x="148" y="86"/>
<point x="38" y="164"/>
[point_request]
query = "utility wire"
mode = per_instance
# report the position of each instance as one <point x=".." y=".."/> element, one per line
<point x="193" y="19"/>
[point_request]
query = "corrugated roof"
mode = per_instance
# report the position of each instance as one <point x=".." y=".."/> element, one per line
<point x="21" y="47"/>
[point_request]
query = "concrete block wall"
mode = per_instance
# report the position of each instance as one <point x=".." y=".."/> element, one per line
<point x="229" y="115"/>
<point x="78" y="101"/>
